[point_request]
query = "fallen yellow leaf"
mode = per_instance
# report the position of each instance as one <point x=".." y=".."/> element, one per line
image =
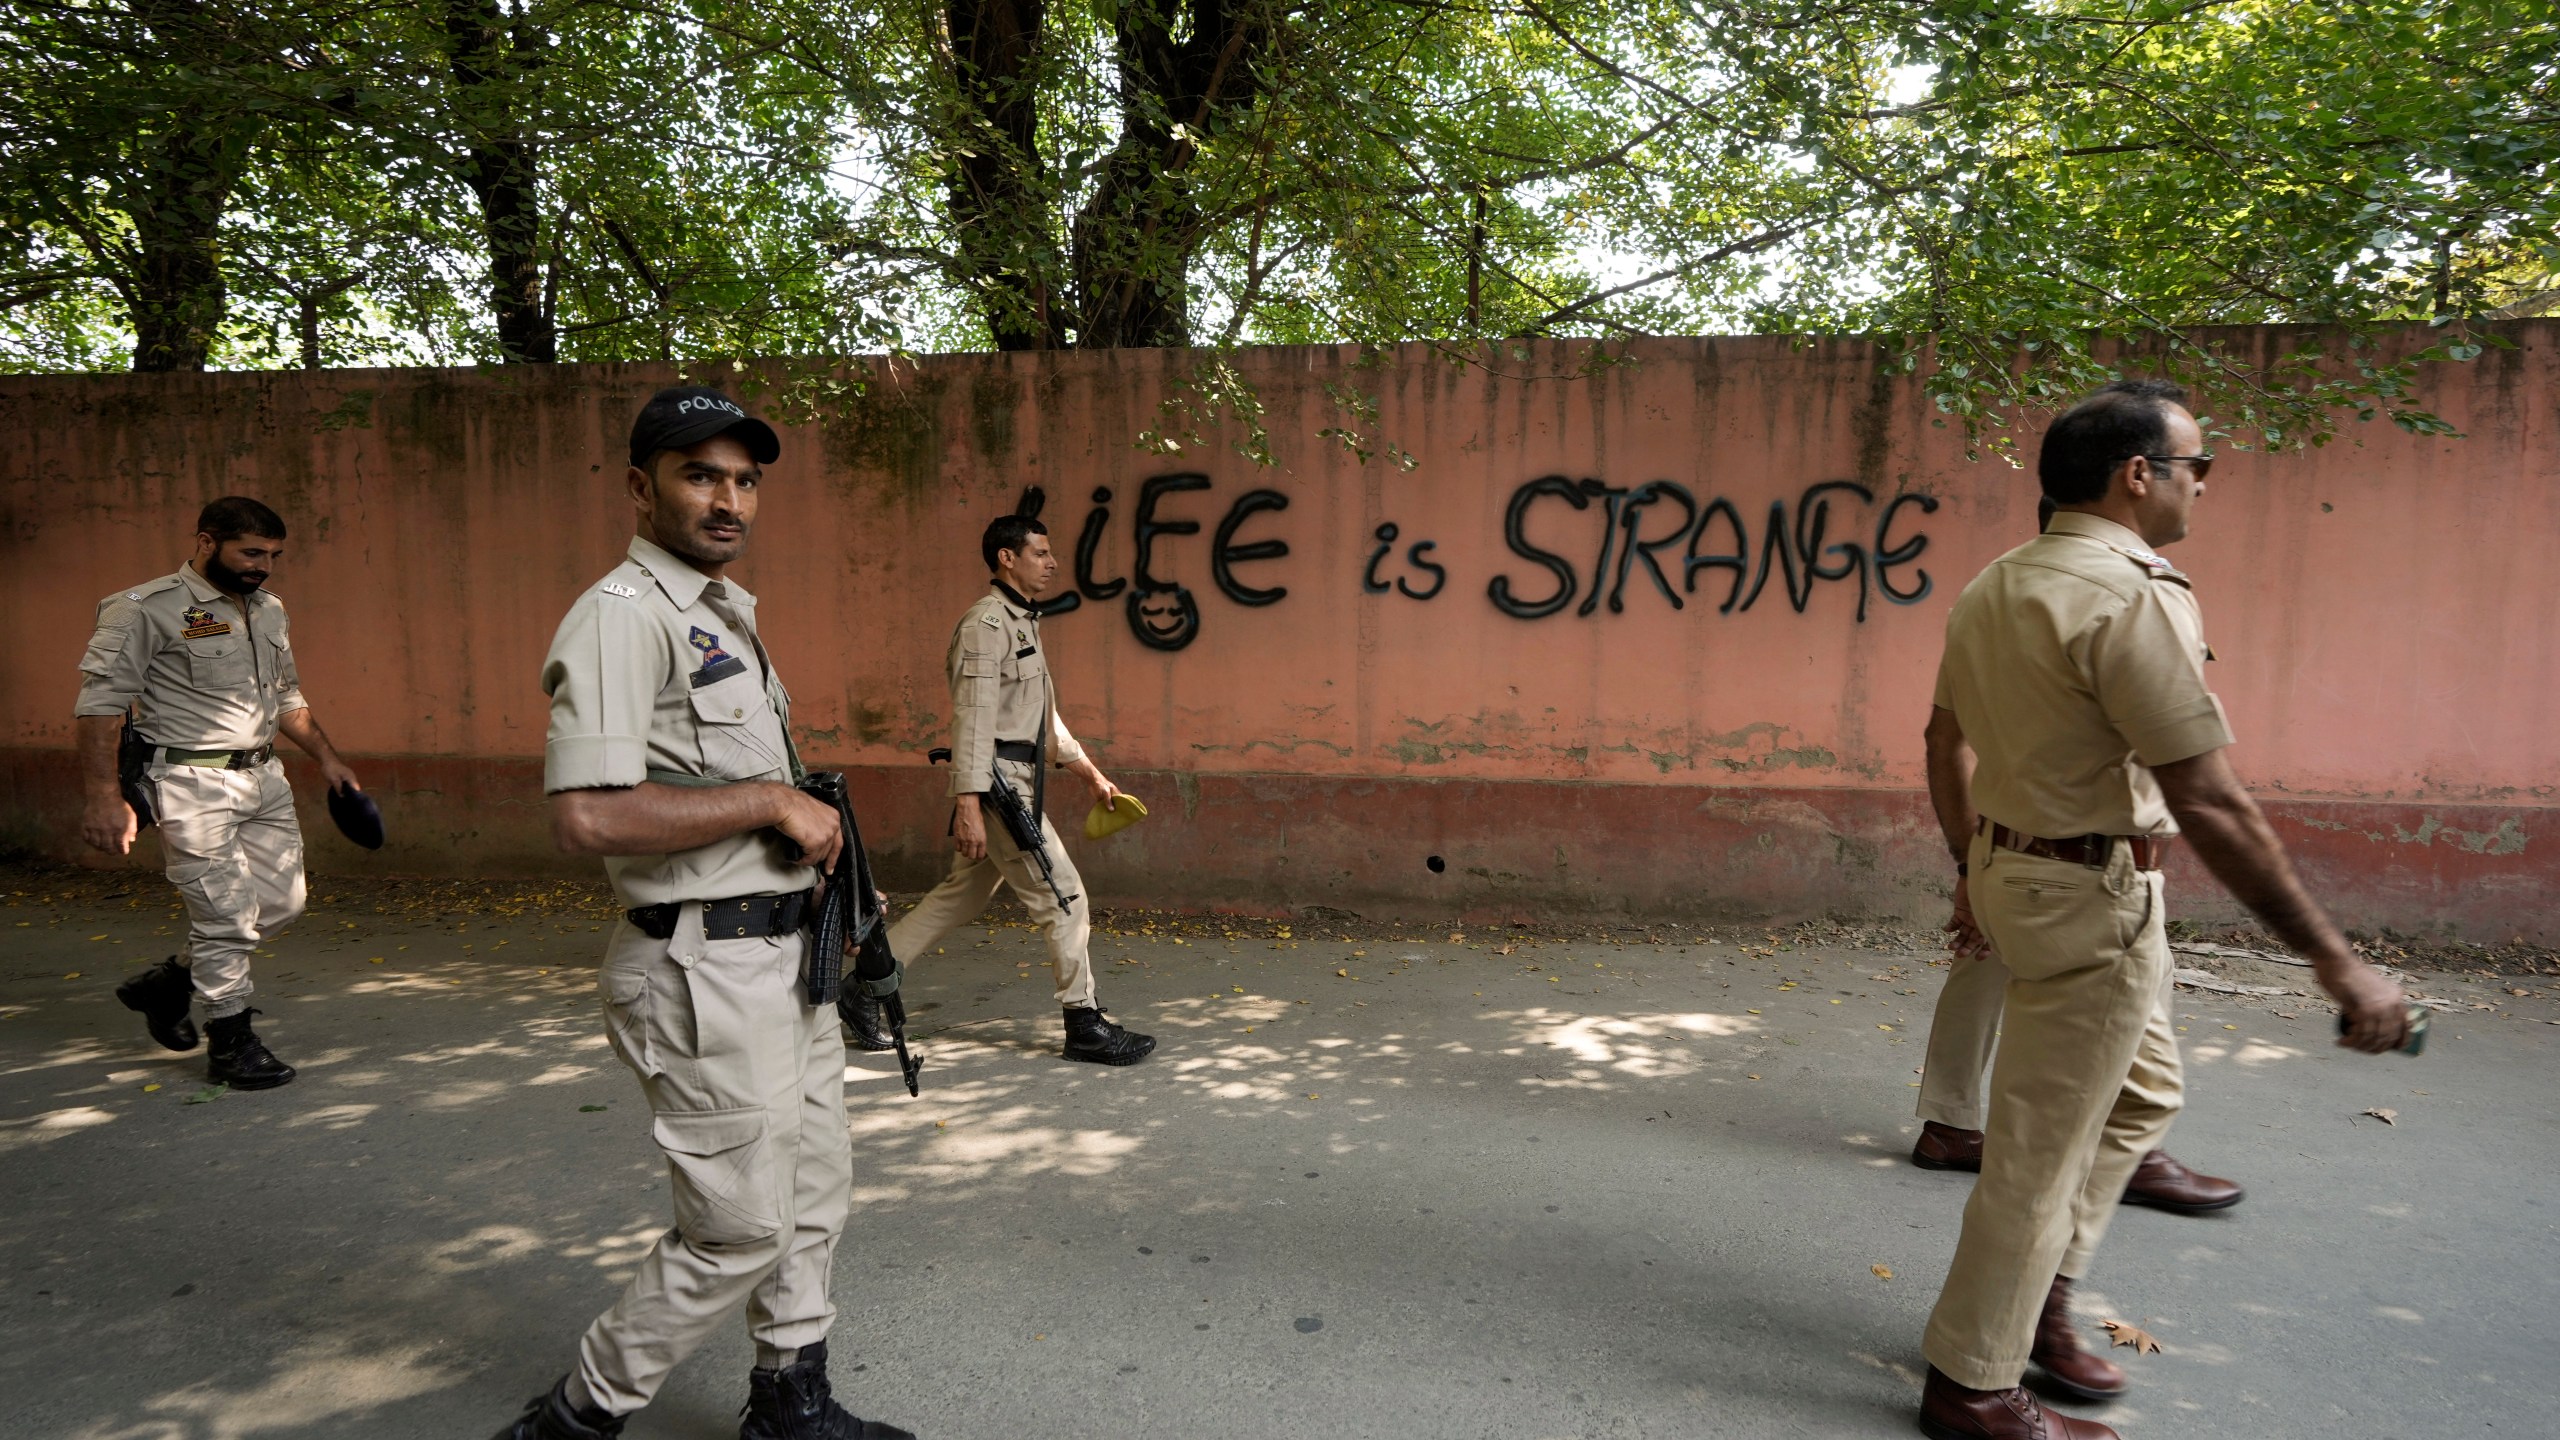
<point x="1881" y="1272"/>
<point x="1344" y="973"/>
<point x="2125" y="1333"/>
<point x="147" y="1089"/>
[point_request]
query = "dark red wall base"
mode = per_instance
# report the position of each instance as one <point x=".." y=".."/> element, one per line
<point x="1508" y="850"/>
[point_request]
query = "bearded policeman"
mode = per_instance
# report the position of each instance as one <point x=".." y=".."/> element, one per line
<point x="670" y="757"/>
<point x="200" y="663"/>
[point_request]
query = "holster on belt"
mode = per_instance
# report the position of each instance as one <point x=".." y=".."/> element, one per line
<point x="133" y="774"/>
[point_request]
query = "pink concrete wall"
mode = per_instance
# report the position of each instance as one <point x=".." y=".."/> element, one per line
<point x="2383" y="612"/>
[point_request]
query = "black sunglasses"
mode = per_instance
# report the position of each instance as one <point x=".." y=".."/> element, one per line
<point x="2203" y="462"/>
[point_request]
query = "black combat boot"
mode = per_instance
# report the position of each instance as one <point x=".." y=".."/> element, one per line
<point x="796" y="1403"/>
<point x="239" y="1058"/>
<point x="861" y="1016"/>
<point x="161" y="995"/>
<point x="1092" y="1036"/>
<point x="550" y="1416"/>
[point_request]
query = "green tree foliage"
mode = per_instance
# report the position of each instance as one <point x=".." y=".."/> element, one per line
<point x="2016" y="196"/>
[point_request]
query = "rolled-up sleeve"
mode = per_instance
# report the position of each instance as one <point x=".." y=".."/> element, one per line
<point x="1063" y="749"/>
<point x="977" y="654"/>
<point x="119" y="653"/>
<point x="2147" y="664"/>
<point x="288" y="676"/>
<point x="603" y="675"/>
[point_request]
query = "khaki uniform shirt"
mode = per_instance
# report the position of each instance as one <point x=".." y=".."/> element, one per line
<point x="2075" y="663"/>
<point x="1000" y="690"/>
<point x="211" y="673"/>
<point x="657" y="674"/>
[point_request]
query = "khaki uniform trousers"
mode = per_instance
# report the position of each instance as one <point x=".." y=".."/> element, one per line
<point x="231" y="844"/>
<point x="2086" y="1081"/>
<point x="745" y="1081"/>
<point x="972" y="883"/>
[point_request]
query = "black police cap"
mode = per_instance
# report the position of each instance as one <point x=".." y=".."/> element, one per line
<point x="359" y="819"/>
<point x="683" y="415"/>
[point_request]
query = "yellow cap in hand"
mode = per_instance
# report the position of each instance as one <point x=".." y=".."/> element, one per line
<point x="1103" y="821"/>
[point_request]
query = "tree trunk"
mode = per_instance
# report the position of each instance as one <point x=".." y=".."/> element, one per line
<point x="503" y="170"/>
<point x="176" y="292"/>
<point x="1134" y="239"/>
<point x="998" y="196"/>
<point x="190" y="162"/>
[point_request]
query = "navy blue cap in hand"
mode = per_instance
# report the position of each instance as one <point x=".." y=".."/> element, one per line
<point x="359" y="819"/>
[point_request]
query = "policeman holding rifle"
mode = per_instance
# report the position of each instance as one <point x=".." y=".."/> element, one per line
<point x="1005" y="734"/>
<point x="670" y="757"/>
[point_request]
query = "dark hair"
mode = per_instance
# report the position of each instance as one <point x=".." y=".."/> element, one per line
<point x="1008" y="532"/>
<point x="2125" y="419"/>
<point x="233" y="516"/>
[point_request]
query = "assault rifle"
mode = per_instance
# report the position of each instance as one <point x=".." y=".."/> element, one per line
<point x="1014" y="812"/>
<point x="850" y="918"/>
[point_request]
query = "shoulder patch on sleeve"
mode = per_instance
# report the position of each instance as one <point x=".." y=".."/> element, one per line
<point x="616" y="587"/>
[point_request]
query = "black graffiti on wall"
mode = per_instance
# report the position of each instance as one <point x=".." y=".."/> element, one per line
<point x="1418" y="556"/>
<point x="1800" y="551"/>
<point x="1835" y="531"/>
<point x="1163" y="613"/>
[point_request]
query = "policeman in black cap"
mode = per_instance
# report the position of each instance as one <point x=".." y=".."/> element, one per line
<point x="670" y="756"/>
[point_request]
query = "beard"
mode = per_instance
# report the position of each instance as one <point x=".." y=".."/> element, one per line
<point x="230" y="581"/>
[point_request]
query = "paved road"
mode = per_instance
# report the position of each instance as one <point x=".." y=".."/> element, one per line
<point x="1573" y="1190"/>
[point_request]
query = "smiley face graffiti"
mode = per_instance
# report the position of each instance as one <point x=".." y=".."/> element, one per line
<point x="1164" y="617"/>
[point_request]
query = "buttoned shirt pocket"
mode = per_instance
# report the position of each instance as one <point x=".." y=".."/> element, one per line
<point x="1026" y="663"/>
<point x="724" y="1174"/>
<point x="736" y="728"/>
<point x="219" y="662"/>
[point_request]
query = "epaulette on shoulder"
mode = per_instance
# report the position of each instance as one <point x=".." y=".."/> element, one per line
<point x="2152" y="565"/>
<point x="152" y="587"/>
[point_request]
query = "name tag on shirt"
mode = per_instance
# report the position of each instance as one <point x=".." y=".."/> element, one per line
<point x="719" y="670"/>
<point x="1025" y="652"/>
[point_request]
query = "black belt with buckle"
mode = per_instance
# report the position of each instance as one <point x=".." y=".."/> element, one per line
<point x="227" y="759"/>
<point x="1021" y="752"/>
<point x="735" y="919"/>
<point x="2089" y="850"/>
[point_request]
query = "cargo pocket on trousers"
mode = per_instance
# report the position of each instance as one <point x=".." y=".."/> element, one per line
<point x="626" y="1015"/>
<point x="722" y="1173"/>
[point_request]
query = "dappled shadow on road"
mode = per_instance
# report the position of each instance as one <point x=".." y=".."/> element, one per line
<point x="409" y="1239"/>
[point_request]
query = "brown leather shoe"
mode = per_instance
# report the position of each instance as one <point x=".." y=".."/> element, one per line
<point x="2075" y="1372"/>
<point x="1949" y="1411"/>
<point x="1944" y="1147"/>
<point x="2163" y="1184"/>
